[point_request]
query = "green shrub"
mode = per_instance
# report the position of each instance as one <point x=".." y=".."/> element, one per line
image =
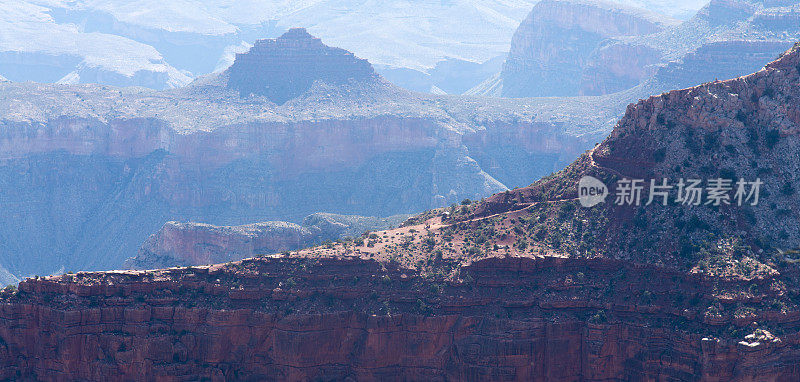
<point x="771" y="138"/>
<point x="660" y="154"/>
<point x="741" y="116"/>
<point x="787" y="189"/>
<point x="599" y="317"/>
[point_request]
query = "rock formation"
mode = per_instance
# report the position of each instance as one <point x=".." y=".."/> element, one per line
<point x="726" y="39"/>
<point x="91" y="171"/>
<point x="35" y="47"/>
<point x="447" y="44"/>
<point x="526" y="285"/>
<point x="286" y="67"/>
<point x="564" y="48"/>
<point x="186" y="244"/>
<point x="407" y="44"/>
<point x="304" y="319"/>
<point x="551" y="48"/>
<point x="745" y="128"/>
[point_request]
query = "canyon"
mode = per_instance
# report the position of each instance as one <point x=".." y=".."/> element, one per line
<point x="441" y="46"/>
<point x="524" y="285"/>
<point x="194" y="38"/>
<point x="552" y="47"/>
<point x="574" y="48"/>
<point x="91" y="171"/>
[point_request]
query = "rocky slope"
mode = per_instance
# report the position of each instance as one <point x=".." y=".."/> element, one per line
<point x="91" y="171"/>
<point x="551" y="48"/>
<point x="745" y="128"/>
<point x="186" y="244"/>
<point x="526" y="285"/>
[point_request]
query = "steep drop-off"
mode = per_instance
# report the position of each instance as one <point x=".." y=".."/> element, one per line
<point x="551" y="48"/>
<point x="526" y="285"/>
<point x="90" y="171"/>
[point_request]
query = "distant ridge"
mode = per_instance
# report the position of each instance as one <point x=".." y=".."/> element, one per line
<point x="552" y="46"/>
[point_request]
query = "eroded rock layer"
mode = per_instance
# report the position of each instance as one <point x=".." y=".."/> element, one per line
<point x="90" y="171"/>
<point x="726" y="39"/>
<point x="182" y="244"/>
<point x="286" y="67"/>
<point x="553" y="45"/>
<point x="300" y="319"/>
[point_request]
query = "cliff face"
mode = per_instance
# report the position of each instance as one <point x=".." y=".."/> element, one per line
<point x="564" y="48"/>
<point x="526" y="285"/>
<point x="182" y="244"/>
<point x="300" y="319"/>
<point x="551" y="48"/>
<point x="91" y="171"/>
<point x="725" y="39"/>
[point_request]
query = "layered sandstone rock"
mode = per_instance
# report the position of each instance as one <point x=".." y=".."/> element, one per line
<point x="90" y="171"/>
<point x="284" y="68"/>
<point x="726" y="39"/>
<point x="551" y="48"/>
<point x="300" y="319"/>
<point x="182" y="244"/>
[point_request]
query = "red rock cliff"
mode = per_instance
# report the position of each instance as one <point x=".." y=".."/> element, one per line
<point x="349" y="319"/>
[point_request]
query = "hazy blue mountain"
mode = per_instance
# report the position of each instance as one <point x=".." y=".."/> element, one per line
<point x="34" y="47"/>
<point x="90" y="171"/>
<point x="447" y="46"/>
<point x="574" y="47"/>
<point x="552" y="48"/>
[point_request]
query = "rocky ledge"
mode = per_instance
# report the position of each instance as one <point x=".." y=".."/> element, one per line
<point x="347" y="318"/>
<point x="186" y="244"/>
